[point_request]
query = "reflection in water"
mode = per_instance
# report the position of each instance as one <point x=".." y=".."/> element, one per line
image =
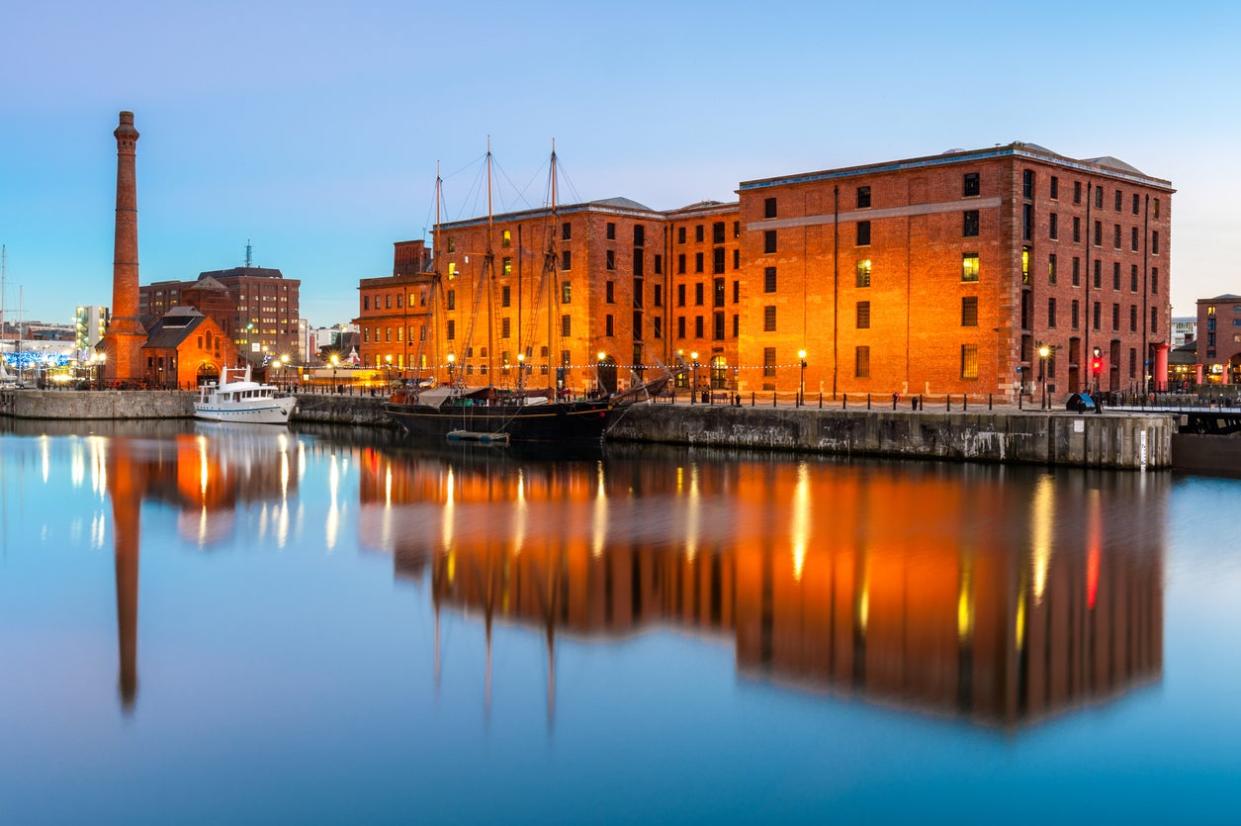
<point x="999" y="594"/>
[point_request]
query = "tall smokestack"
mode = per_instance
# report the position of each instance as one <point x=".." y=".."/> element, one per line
<point x="125" y="336"/>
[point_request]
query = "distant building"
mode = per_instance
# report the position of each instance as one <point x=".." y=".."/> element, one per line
<point x="1184" y="330"/>
<point x="1219" y="338"/>
<point x="257" y="306"/>
<point x="303" y="333"/>
<point x="395" y="314"/>
<point x="89" y="323"/>
<point x="185" y="348"/>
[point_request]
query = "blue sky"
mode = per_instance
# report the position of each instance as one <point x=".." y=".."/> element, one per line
<point x="313" y="128"/>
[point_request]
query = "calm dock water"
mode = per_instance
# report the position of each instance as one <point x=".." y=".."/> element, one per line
<point x="219" y="624"/>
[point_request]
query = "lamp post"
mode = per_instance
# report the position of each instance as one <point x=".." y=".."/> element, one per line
<point x="600" y="358"/>
<point x="521" y="370"/>
<point x="1044" y="351"/>
<point x="284" y="369"/>
<point x="388" y="369"/>
<point x="335" y="360"/>
<point x="451" y="358"/>
<point x="801" y="384"/>
<point x="693" y="356"/>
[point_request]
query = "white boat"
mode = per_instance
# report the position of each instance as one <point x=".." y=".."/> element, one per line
<point x="243" y="401"/>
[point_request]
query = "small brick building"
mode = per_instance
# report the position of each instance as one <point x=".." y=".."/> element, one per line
<point x="186" y="348"/>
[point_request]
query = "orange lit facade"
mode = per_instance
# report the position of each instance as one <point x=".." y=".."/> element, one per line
<point x="942" y="274"/>
<point x="947" y="273"/>
<point x="396" y="317"/>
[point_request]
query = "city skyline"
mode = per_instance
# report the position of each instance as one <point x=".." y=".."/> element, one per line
<point x="318" y="139"/>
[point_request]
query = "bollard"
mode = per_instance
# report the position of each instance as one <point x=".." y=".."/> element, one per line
<point x="988" y="401"/>
<point x="1021" y="399"/>
<point x="894" y="398"/>
<point x="844" y="401"/>
<point x="773" y="398"/>
<point x="752" y="400"/>
<point x="949" y="400"/>
<point x="965" y="401"/>
<point x="820" y="399"/>
<point x="868" y="401"/>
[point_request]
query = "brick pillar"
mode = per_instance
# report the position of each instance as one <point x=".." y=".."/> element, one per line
<point x="125" y="336"/>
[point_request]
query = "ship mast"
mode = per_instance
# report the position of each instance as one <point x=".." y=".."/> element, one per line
<point x="489" y="275"/>
<point x="435" y="281"/>
<point x="552" y="288"/>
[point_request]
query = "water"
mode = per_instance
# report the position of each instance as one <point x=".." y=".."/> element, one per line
<point x="208" y="625"/>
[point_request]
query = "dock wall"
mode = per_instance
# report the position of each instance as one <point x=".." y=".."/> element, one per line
<point x="1109" y="441"/>
<point x="97" y="404"/>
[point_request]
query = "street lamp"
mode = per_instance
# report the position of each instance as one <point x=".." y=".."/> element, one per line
<point x="1044" y="351"/>
<point x="693" y="358"/>
<point x="521" y="370"/>
<point x="801" y="384"/>
<point x="600" y="358"/>
<point x="335" y="360"/>
<point x="451" y="358"/>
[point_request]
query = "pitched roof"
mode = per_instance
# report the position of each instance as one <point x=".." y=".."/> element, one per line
<point x="173" y="327"/>
<point x="206" y="282"/>
<point x="620" y="203"/>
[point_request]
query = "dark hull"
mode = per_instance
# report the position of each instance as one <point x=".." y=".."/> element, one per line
<point x="562" y="422"/>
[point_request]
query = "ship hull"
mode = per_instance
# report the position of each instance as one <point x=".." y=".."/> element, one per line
<point x="577" y="422"/>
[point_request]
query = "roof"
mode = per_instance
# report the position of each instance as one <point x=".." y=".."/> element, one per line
<point x="699" y="207"/>
<point x="1103" y="165"/>
<point x="1185" y="354"/>
<point x="206" y="282"/>
<point x="614" y="206"/>
<point x="173" y="327"/>
<point x="1226" y="298"/>
<point x="239" y="272"/>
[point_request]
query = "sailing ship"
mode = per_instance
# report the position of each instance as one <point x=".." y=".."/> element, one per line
<point x="498" y="415"/>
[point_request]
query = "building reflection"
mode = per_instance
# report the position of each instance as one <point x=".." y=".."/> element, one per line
<point x="205" y="475"/>
<point x="1000" y="595"/>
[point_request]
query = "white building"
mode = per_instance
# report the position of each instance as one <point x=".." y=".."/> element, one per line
<point x="89" y="322"/>
<point x="1184" y="330"/>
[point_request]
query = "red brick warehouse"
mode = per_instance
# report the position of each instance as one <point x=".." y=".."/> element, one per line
<point x="946" y="273"/>
<point x="940" y="274"/>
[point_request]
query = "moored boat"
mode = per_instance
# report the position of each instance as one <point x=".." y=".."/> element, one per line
<point x="244" y="401"/>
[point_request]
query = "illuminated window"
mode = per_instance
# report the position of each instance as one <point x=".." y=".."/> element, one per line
<point x="1051" y="269"/>
<point x="506" y="266"/>
<point x="969" y="361"/>
<point x="566" y="292"/>
<point x="969" y="266"/>
<point x="863" y="273"/>
<point x="1025" y="265"/>
<point x="506" y="238"/>
<point x="452" y="270"/>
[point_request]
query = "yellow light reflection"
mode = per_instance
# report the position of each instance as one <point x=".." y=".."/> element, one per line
<point x="600" y="521"/>
<point x="965" y="600"/>
<point x="801" y="519"/>
<point x="1041" y="528"/>
<point x="692" y="514"/>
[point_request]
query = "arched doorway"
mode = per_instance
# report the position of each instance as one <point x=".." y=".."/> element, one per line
<point x="208" y="372"/>
<point x="719" y="372"/>
<point x="607" y="375"/>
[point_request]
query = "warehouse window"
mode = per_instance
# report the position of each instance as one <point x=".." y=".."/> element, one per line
<point x="969" y="226"/>
<point x="969" y="266"/>
<point x="769" y="241"/>
<point x="863" y="315"/>
<point x="861" y="362"/>
<point x="863" y="197"/>
<point x="769" y="361"/>
<point x="769" y="319"/>
<point x="971" y="185"/>
<point x="611" y="231"/>
<point x="769" y="208"/>
<point x="863" y="233"/>
<point x="969" y="311"/>
<point x="863" y="273"/>
<point x="769" y="280"/>
<point x="969" y="361"/>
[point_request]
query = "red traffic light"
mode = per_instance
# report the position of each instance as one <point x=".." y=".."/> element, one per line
<point x="1096" y="366"/>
